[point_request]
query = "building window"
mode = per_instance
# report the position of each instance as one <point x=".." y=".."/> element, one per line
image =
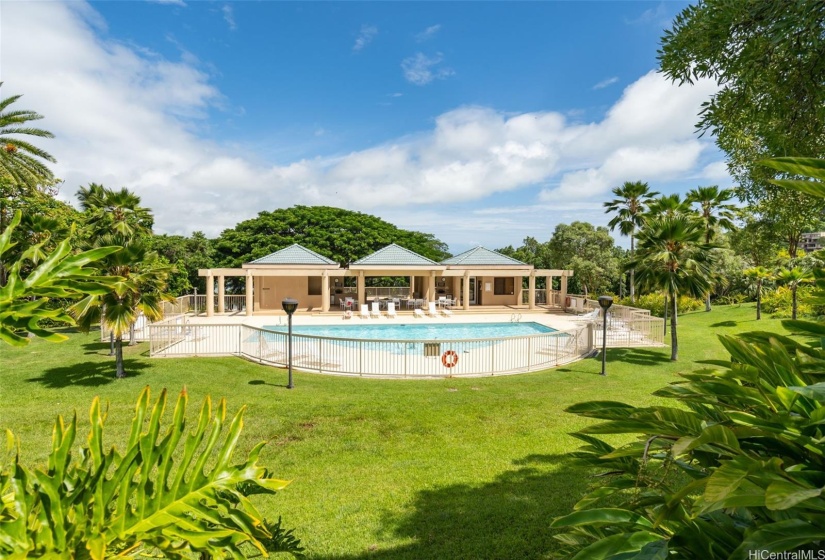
<point x="315" y="285"/>
<point x="504" y="286"/>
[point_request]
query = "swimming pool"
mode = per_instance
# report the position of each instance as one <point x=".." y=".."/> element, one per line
<point x="427" y="331"/>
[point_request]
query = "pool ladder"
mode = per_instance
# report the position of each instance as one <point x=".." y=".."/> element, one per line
<point x="515" y="318"/>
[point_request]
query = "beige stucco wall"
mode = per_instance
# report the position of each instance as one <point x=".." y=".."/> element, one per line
<point x="270" y="291"/>
<point x="489" y="298"/>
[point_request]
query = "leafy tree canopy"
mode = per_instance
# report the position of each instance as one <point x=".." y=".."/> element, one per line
<point x="590" y="252"/>
<point x="188" y="254"/>
<point x="769" y="61"/>
<point x="341" y="235"/>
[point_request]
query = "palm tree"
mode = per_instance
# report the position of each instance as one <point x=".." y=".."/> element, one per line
<point x="672" y="257"/>
<point x="629" y="207"/>
<point x="141" y="290"/>
<point x="19" y="158"/>
<point x="758" y="274"/>
<point x="714" y="211"/>
<point x="793" y="278"/>
<point x="669" y="205"/>
<point x="116" y="218"/>
<point x="110" y="211"/>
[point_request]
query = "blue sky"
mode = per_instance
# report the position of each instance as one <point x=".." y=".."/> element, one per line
<point x="481" y="122"/>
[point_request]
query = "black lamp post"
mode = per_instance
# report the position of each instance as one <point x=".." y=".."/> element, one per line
<point x="604" y="302"/>
<point x="289" y="305"/>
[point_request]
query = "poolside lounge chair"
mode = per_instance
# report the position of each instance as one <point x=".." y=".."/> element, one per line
<point x="376" y="309"/>
<point x="446" y="312"/>
<point x="591" y="316"/>
<point x="431" y="310"/>
<point x="365" y="312"/>
<point x="391" y="310"/>
<point x="418" y="312"/>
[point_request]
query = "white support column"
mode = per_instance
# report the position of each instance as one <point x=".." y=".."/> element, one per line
<point x="249" y="292"/>
<point x="221" y="294"/>
<point x="531" y="287"/>
<point x="361" y="288"/>
<point x="456" y="289"/>
<point x="210" y="294"/>
<point x="431" y="287"/>
<point x="412" y="287"/>
<point x="518" y="283"/>
<point x="466" y="296"/>
<point x="325" y="292"/>
<point x="563" y="291"/>
<point x="548" y="290"/>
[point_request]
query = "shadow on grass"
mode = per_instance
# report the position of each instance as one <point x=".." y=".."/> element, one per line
<point x="506" y="518"/>
<point x="637" y="356"/>
<point x="724" y="324"/>
<point x="262" y="382"/>
<point x="100" y="348"/>
<point x="87" y="374"/>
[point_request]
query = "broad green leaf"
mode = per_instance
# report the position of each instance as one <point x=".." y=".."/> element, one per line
<point x="815" y="391"/>
<point x="717" y="435"/>
<point x="617" y="544"/>
<point x="601" y="516"/>
<point x="783" y="494"/>
<point x="781" y="536"/>
<point x="804" y="166"/>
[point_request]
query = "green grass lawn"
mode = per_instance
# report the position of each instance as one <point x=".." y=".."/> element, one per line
<point x="389" y="469"/>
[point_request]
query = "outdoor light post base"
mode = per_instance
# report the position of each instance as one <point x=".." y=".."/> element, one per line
<point x="289" y="305"/>
<point x="604" y="302"/>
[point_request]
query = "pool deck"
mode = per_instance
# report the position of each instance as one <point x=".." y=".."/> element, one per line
<point x="554" y="320"/>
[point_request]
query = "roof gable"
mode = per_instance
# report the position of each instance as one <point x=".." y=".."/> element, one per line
<point x="479" y="256"/>
<point x="294" y="254"/>
<point x="395" y="255"/>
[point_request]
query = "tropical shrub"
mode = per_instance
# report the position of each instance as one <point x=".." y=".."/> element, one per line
<point x="655" y="303"/>
<point x="26" y="300"/>
<point x="779" y="302"/>
<point x="171" y="492"/>
<point x="735" y="466"/>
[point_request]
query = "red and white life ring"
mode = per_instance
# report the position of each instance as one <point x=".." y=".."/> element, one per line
<point x="449" y="359"/>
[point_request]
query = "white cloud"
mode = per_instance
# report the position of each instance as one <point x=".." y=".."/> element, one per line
<point x="173" y="2"/>
<point x="608" y="82"/>
<point x="365" y="37"/>
<point x="421" y="69"/>
<point x="125" y="117"/>
<point x="229" y="17"/>
<point x="716" y="171"/>
<point x="657" y="16"/>
<point x="428" y="33"/>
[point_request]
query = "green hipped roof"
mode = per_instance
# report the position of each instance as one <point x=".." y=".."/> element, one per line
<point x="395" y="255"/>
<point x="479" y="256"/>
<point x="294" y="254"/>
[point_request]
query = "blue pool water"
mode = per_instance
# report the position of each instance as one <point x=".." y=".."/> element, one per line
<point x="424" y="331"/>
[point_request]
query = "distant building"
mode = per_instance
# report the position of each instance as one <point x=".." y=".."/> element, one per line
<point x="813" y="241"/>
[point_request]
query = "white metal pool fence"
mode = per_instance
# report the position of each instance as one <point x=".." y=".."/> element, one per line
<point x="177" y="337"/>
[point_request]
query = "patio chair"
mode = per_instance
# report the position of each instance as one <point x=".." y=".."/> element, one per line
<point x="431" y="311"/>
<point x="587" y="317"/>
<point x="418" y="312"/>
<point x="365" y="312"/>
<point x="376" y="309"/>
<point x="391" y="310"/>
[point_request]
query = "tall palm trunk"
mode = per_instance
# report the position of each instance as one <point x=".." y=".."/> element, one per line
<point x="632" y="272"/>
<point x="132" y="340"/>
<point x="758" y="300"/>
<point x="793" y="303"/>
<point x="707" y="296"/>
<point x="674" y="343"/>
<point x="120" y="371"/>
